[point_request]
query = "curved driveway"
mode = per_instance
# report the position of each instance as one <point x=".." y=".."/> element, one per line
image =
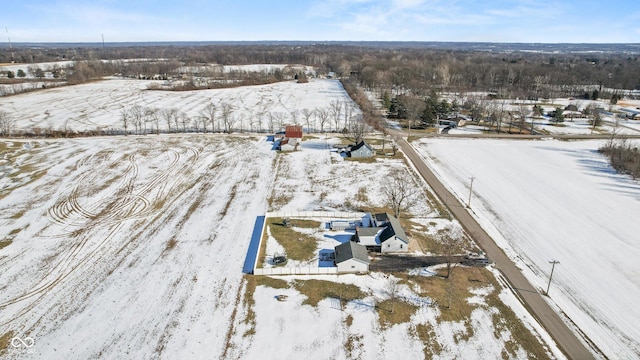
<point x="566" y="340"/>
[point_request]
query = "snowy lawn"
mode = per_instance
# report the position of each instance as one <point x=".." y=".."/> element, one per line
<point x="551" y="200"/>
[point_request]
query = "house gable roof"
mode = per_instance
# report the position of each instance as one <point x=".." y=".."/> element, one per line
<point x="360" y="145"/>
<point x="350" y="250"/>
<point x="393" y="229"/>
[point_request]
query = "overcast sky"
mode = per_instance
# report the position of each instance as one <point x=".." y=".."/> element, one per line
<point x="577" y="21"/>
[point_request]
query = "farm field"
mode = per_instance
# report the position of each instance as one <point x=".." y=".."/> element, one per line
<point x="552" y="200"/>
<point x="98" y="105"/>
<point x="127" y="247"/>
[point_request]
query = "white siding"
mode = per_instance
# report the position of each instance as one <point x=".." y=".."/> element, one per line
<point x="394" y="245"/>
<point x="352" y="266"/>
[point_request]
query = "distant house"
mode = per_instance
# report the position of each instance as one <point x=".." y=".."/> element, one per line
<point x="631" y="114"/>
<point x="571" y="107"/>
<point x="382" y="232"/>
<point x="351" y="258"/>
<point x="290" y="139"/>
<point x="361" y="150"/>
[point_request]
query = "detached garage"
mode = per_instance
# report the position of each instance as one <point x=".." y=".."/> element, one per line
<point x="351" y="258"/>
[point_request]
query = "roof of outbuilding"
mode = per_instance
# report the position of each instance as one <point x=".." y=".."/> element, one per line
<point x="369" y="231"/>
<point x="361" y="144"/>
<point x="351" y="250"/>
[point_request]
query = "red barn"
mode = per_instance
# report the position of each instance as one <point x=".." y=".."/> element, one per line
<point x="293" y="132"/>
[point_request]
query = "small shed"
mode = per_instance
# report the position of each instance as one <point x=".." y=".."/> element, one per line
<point x="361" y="150"/>
<point x="351" y="258"/>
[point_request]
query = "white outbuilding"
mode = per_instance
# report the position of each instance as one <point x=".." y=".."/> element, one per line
<point x="351" y="257"/>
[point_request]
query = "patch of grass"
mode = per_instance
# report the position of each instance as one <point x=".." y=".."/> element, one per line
<point x="5" y="243"/>
<point x="297" y="245"/>
<point x="248" y="302"/>
<point x="463" y="280"/>
<point x="18" y="214"/>
<point x="271" y="282"/>
<point x="262" y="252"/>
<point x="353" y="343"/>
<point x="361" y="195"/>
<point x="349" y="320"/>
<point x="392" y="312"/>
<point x="521" y="337"/>
<point x="305" y="224"/>
<point x="5" y="341"/>
<point x="159" y="204"/>
<point x="459" y="284"/>
<point x="418" y="233"/>
<point x="427" y="335"/>
<point x="232" y="196"/>
<point x="366" y="160"/>
<point x="278" y="201"/>
<point x="316" y="290"/>
<point x="171" y="244"/>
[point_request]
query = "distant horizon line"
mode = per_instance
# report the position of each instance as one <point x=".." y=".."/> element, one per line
<point x="99" y="42"/>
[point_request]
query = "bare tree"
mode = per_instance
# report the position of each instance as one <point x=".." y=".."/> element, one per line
<point x="7" y="124"/>
<point x="400" y="192"/>
<point x="209" y="112"/>
<point x="294" y="116"/>
<point x="335" y="107"/>
<point x="451" y="240"/>
<point x="169" y="115"/>
<point x="137" y="116"/>
<point x="392" y="288"/>
<point x="228" y="120"/>
<point x="195" y="121"/>
<point x="357" y="130"/>
<point x="124" y="117"/>
<point x="307" y="114"/>
<point x="323" y="116"/>
<point x="154" y="115"/>
<point x="349" y="111"/>
<point x="270" y="121"/>
<point x="184" y="120"/>
<point x="279" y="117"/>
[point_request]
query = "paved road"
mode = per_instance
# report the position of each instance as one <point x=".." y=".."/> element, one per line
<point x="567" y="341"/>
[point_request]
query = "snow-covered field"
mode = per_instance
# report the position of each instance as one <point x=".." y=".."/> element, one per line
<point x="98" y="105"/>
<point x="127" y="247"/>
<point x="132" y="247"/>
<point x="551" y="200"/>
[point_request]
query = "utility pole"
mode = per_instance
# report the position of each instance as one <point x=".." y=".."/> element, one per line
<point x="470" y="191"/>
<point x="10" y="47"/>
<point x="553" y="265"/>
